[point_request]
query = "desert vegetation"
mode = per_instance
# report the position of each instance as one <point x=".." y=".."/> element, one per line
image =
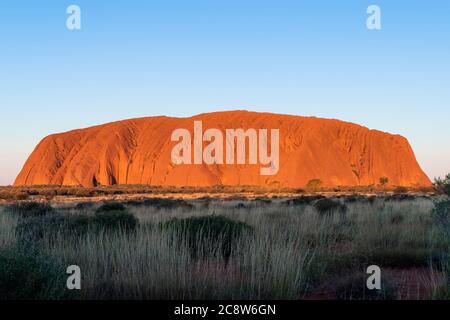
<point x="48" y="193"/>
<point x="303" y="247"/>
<point x="443" y="185"/>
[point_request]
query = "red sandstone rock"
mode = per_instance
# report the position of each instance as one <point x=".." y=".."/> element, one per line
<point x="138" y="151"/>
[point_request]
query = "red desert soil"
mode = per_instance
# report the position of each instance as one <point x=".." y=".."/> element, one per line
<point x="411" y="284"/>
<point x="138" y="151"/>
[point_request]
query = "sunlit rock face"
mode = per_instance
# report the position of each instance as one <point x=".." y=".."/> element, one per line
<point x="138" y="151"/>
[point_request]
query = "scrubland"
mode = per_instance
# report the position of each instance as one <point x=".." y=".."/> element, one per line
<point x="300" y="247"/>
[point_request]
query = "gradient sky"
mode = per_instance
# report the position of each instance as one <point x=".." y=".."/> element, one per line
<point x="140" y="58"/>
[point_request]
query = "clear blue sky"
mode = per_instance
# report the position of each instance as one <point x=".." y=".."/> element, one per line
<point x="140" y="58"/>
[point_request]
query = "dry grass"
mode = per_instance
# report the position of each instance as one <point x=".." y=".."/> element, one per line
<point x="7" y="229"/>
<point x="61" y="193"/>
<point x="292" y="252"/>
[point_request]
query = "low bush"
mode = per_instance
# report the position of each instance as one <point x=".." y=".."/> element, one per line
<point x="371" y="199"/>
<point x="303" y="200"/>
<point x="443" y="185"/>
<point x="242" y="205"/>
<point x="114" y="221"/>
<point x="111" y="206"/>
<point x="400" y="197"/>
<point x="352" y="199"/>
<point x="328" y="206"/>
<point x="26" y="274"/>
<point x="441" y="215"/>
<point x="262" y="200"/>
<point x="300" y="201"/>
<point x="30" y="209"/>
<point x="35" y="229"/>
<point x="208" y="233"/>
<point x="83" y="206"/>
<point x="31" y="231"/>
<point x="161" y="203"/>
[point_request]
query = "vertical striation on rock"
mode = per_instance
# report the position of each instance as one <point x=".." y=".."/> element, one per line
<point x="138" y="151"/>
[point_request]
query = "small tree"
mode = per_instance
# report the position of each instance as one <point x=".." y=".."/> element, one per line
<point x="384" y="181"/>
<point x="443" y="185"/>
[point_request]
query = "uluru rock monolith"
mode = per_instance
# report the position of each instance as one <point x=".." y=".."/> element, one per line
<point x="138" y="151"/>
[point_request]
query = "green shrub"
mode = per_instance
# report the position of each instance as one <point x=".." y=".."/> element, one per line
<point x="262" y="200"/>
<point x="400" y="197"/>
<point x="208" y="233"/>
<point x="441" y="215"/>
<point x="84" y="206"/>
<point x="161" y="203"/>
<point x="303" y="200"/>
<point x="111" y="206"/>
<point x="443" y="185"/>
<point x="447" y="185"/>
<point x="35" y="229"/>
<point x="241" y="205"/>
<point x="114" y="220"/>
<point x="352" y="199"/>
<point x="328" y="206"/>
<point x="354" y="287"/>
<point x="26" y="274"/>
<point x="30" y="209"/>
